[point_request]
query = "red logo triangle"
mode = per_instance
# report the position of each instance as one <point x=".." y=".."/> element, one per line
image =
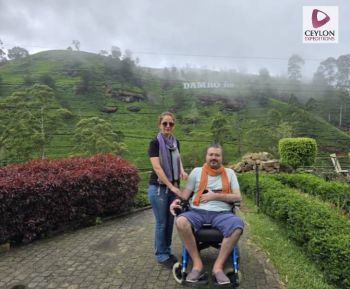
<point x="318" y="23"/>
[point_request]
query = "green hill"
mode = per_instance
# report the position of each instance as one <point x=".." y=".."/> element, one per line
<point x="86" y="84"/>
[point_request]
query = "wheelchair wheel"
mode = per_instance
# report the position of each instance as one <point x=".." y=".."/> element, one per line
<point x="177" y="273"/>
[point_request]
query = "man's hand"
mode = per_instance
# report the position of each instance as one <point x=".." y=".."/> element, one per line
<point x="175" y="205"/>
<point x="209" y="196"/>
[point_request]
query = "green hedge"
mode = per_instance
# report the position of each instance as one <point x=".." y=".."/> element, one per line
<point x="323" y="233"/>
<point x="334" y="192"/>
<point x="297" y="152"/>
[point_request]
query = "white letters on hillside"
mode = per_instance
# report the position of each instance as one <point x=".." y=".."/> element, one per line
<point x="203" y="84"/>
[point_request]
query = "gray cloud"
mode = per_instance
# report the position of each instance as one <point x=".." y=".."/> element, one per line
<point x="237" y="34"/>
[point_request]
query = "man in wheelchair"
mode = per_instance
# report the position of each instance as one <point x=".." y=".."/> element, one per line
<point x="215" y="190"/>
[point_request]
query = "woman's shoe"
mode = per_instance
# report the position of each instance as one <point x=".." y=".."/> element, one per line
<point x="168" y="263"/>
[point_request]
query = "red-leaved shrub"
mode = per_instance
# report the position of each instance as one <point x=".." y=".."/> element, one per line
<point x="45" y="195"/>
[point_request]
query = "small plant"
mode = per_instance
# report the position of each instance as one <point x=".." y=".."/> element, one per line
<point x="298" y="152"/>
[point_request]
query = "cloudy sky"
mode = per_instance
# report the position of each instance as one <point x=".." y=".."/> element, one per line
<point x="245" y="35"/>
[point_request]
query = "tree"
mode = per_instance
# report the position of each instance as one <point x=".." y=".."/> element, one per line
<point x="85" y="84"/>
<point x="17" y="53"/>
<point x="265" y="90"/>
<point x="127" y="54"/>
<point x="95" y="135"/>
<point x="180" y="100"/>
<point x="47" y="115"/>
<point x="312" y="105"/>
<point x="295" y="64"/>
<point x="166" y="79"/>
<point x="47" y="80"/>
<point x="192" y="117"/>
<point x="29" y="121"/>
<point x="326" y="72"/>
<point x="1" y="87"/>
<point x="274" y="116"/>
<point x="27" y="79"/>
<point x="220" y="129"/>
<point x="76" y="44"/>
<point x="293" y="100"/>
<point x="116" y="53"/>
<point x="15" y="133"/>
<point x="174" y="73"/>
<point x="127" y="69"/>
<point x="154" y="91"/>
<point x="2" y="53"/>
<point x="103" y="52"/>
<point x="343" y="75"/>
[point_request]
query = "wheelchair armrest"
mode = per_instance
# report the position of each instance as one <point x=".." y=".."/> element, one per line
<point x="184" y="207"/>
<point x="235" y="205"/>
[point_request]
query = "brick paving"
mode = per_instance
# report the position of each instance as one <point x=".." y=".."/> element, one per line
<point x="116" y="254"/>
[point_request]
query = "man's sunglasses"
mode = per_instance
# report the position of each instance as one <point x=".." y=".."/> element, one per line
<point x="165" y="124"/>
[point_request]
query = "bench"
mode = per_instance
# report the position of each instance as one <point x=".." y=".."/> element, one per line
<point x="336" y="165"/>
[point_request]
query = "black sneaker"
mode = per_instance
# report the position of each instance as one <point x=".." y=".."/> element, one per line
<point x="172" y="257"/>
<point x="168" y="263"/>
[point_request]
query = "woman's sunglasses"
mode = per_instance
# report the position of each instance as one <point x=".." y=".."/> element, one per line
<point x="165" y="124"/>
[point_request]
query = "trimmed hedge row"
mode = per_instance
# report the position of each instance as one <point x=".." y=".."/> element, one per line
<point x="323" y="233"/>
<point x="45" y="195"/>
<point x="333" y="192"/>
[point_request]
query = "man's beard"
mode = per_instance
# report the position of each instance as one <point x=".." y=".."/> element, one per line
<point x="214" y="163"/>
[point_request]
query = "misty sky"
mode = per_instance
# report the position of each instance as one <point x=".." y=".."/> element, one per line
<point x="244" y="35"/>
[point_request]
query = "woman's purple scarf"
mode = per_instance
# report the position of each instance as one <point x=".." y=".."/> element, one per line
<point x="167" y="144"/>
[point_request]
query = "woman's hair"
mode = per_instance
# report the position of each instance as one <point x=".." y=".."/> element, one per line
<point x="164" y="114"/>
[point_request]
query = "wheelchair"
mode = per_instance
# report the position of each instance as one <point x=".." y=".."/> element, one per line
<point x="207" y="237"/>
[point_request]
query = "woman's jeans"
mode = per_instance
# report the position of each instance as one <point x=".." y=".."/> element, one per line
<point x="160" y="198"/>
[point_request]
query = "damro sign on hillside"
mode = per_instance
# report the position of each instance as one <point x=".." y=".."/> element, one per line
<point x="207" y="85"/>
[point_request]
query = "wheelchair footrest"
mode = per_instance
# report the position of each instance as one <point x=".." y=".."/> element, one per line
<point x="223" y="286"/>
<point x="234" y="281"/>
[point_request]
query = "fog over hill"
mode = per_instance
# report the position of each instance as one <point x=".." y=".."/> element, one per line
<point x="240" y="35"/>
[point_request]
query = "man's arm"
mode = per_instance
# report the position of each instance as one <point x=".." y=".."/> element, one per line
<point x="186" y="193"/>
<point x="235" y="196"/>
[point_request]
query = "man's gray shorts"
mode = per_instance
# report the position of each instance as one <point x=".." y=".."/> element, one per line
<point x="225" y="221"/>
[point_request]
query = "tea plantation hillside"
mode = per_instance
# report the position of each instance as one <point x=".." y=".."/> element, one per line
<point x="130" y="98"/>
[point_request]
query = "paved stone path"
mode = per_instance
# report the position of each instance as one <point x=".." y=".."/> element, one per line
<point x="115" y="254"/>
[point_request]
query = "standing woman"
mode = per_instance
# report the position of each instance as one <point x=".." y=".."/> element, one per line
<point x="164" y="185"/>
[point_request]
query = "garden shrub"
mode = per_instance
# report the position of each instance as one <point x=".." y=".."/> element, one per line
<point x="45" y="195"/>
<point x="321" y="230"/>
<point x="334" y="192"/>
<point x="141" y="199"/>
<point x="297" y="152"/>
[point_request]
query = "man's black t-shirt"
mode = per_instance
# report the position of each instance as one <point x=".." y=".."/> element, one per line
<point x="153" y="151"/>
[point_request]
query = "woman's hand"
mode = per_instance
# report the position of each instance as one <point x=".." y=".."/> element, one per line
<point x="175" y="205"/>
<point x="183" y="175"/>
<point x="175" y="190"/>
